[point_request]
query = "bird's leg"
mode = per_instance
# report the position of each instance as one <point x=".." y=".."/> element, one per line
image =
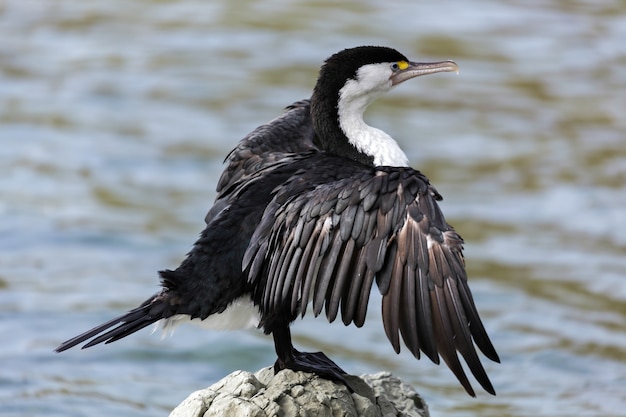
<point x="313" y="362"/>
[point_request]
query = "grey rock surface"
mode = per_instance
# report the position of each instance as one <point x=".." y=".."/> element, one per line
<point x="300" y="394"/>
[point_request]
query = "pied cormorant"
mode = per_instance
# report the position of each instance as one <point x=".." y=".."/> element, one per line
<point x="313" y="208"/>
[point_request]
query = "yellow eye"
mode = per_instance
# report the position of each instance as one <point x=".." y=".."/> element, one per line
<point x="400" y="65"/>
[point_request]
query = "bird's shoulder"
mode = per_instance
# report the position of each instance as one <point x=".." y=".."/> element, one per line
<point x="288" y="134"/>
<point x="273" y="146"/>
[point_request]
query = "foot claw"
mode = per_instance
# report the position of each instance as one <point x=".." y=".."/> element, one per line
<point x="312" y="362"/>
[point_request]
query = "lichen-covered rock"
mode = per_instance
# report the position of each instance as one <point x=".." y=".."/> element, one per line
<point x="299" y="394"/>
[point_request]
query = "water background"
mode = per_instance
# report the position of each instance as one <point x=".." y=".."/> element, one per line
<point x="115" y="116"/>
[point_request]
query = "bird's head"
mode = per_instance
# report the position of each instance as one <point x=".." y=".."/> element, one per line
<point x="352" y="79"/>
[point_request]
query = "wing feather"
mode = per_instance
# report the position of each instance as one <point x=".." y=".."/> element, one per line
<point x="349" y="305"/>
<point x="312" y="272"/>
<point x="327" y="243"/>
<point x="445" y="335"/>
<point x="475" y="324"/>
<point x="363" y="299"/>
<point x="341" y="279"/>
<point x="348" y="222"/>
<point x="463" y="337"/>
<point x="408" y="318"/>
<point x="298" y="299"/>
<point x="326" y="274"/>
<point x="391" y="305"/>
<point x="293" y="264"/>
<point x="281" y="268"/>
<point x="425" y="316"/>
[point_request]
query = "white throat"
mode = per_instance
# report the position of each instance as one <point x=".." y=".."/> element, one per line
<point x="371" y="82"/>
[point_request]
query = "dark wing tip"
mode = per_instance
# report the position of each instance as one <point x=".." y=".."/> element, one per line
<point x="436" y="313"/>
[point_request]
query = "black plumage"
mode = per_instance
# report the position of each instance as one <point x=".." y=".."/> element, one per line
<point x="303" y="215"/>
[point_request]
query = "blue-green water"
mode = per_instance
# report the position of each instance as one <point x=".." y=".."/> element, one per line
<point x="115" y="117"/>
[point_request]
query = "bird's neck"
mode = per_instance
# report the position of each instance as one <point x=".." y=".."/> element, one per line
<point x="367" y="139"/>
<point x="341" y="130"/>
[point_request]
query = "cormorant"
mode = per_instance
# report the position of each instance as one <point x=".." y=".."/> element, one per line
<point x="313" y="207"/>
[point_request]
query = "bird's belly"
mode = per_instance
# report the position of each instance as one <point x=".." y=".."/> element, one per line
<point x="240" y="314"/>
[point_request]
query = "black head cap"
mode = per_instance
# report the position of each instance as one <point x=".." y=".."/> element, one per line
<point x="344" y="64"/>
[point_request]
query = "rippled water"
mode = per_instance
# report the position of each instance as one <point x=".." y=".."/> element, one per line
<point x="115" y="117"/>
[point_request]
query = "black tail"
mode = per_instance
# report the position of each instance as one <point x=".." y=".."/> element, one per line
<point x="151" y="311"/>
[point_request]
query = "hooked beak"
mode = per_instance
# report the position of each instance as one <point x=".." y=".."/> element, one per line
<point x="415" y="69"/>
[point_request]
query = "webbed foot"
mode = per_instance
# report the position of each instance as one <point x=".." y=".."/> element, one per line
<point x="313" y="362"/>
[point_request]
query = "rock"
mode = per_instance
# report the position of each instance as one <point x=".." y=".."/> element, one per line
<point x="299" y="394"/>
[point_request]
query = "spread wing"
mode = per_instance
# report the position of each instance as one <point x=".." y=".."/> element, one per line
<point x="328" y="245"/>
